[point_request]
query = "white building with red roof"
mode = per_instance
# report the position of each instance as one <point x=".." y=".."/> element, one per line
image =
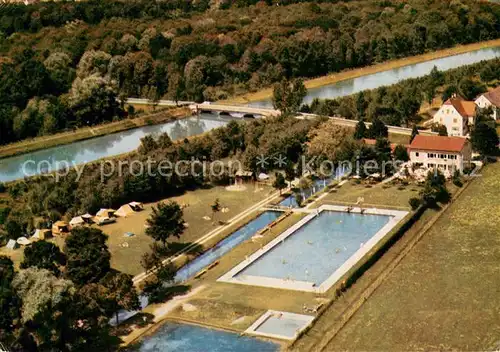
<point x="456" y="114"/>
<point x="490" y="100"/>
<point x="444" y="153"/>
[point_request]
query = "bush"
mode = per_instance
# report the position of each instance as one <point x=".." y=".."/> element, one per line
<point x="415" y="203"/>
<point x="4" y="212"/>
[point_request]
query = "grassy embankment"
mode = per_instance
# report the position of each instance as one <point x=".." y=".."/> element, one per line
<point x="83" y="133"/>
<point x="431" y="290"/>
<point x="350" y="74"/>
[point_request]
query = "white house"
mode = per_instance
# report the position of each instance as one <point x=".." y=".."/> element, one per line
<point x="490" y="99"/>
<point x="456" y="114"/>
<point x="444" y="153"/>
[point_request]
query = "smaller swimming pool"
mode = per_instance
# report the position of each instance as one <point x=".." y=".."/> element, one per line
<point x="314" y="253"/>
<point x="173" y="337"/>
<point x="280" y="325"/>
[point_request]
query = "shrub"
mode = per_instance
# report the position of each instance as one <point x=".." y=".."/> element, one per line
<point x="4" y="212"/>
<point x="415" y="203"/>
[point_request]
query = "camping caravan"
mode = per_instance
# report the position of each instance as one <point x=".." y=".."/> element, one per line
<point x="40" y="235"/>
<point x="60" y="228"/>
<point x="12" y="244"/>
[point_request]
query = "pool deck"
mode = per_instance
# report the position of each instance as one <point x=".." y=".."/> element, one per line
<point x="254" y="328"/>
<point x="231" y="276"/>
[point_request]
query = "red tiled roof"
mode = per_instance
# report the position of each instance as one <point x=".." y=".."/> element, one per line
<point x="438" y="143"/>
<point x="464" y="107"/>
<point x="494" y="96"/>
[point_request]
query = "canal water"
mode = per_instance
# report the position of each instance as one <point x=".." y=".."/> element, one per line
<point x="52" y="159"/>
<point x="386" y="78"/>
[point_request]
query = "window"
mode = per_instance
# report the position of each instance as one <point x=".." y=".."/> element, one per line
<point x="455" y="120"/>
<point x="431" y="155"/>
<point x="416" y="154"/>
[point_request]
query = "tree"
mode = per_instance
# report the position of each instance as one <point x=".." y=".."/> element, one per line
<point x="435" y="189"/>
<point x="414" y="133"/>
<point x="9" y="301"/>
<point x="43" y="255"/>
<point x="400" y="153"/>
<point x="470" y="88"/>
<point x="484" y="139"/>
<point x="148" y="144"/>
<point x="305" y="183"/>
<point x="121" y="293"/>
<point x="279" y="182"/>
<point x="289" y="173"/>
<point x="360" y="131"/>
<point x="165" y="222"/>
<point x="360" y="106"/>
<point x="440" y="129"/>
<point x="288" y="96"/>
<point x="378" y="129"/>
<point x="216" y="207"/>
<point x="88" y="257"/>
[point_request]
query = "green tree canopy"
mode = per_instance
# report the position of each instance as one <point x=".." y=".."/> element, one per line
<point x="288" y="96"/>
<point x="166" y="222"/>
<point x="88" y="257"/>
<point x="43" y="255"/>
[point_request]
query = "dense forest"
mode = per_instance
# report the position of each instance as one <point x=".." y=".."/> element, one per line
<point x="64" y="64"/>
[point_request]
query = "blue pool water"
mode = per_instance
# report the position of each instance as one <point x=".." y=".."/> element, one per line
<point x="187" y="338"/>
<point x="317" y="249"/>
<point x="224" y="246"/>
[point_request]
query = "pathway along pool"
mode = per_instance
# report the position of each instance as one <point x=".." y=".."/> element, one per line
<point x="82" y="152"/>
<point x="173" y="337"/>
<point x="389" y="77"/>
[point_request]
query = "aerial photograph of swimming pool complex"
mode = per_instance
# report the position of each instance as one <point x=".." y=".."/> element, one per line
<point x="249" y="175"/>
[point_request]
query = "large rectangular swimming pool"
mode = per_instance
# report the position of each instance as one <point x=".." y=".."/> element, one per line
<point x="310" y="253"/>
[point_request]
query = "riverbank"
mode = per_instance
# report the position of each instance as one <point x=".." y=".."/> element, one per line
<point x="355" y="73"/>
<point x="84" y="133"/>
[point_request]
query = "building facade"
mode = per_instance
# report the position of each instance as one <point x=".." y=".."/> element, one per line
<point x="443" y="153"/>
<point x="490" y="100"/>
<point x="456" y="114"/>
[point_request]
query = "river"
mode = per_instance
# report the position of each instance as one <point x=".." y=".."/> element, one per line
<point x="51" y="159"/>
<point x="386" y="78"/>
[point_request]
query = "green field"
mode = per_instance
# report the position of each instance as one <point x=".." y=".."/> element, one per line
<point x="444" y="295"/>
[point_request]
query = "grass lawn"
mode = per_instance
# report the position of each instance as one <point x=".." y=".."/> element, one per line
<point x="444" y="295"/>
<point x="378" y="195"/>
<point x="127" y="259"/>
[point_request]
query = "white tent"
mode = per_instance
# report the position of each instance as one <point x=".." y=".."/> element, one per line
<point x="23" y="241"/>
<point x="77" y="221"/>
<point x="263" y="176"/>
<point x="12" y="244"/>
<point x="87" y="217"/>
